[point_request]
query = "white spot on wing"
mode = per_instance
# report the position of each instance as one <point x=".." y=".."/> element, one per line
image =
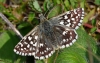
<point x="17" y="52"/>
<point x="76" y="36"/>
<point x="31" y="42"/>
<point x="33" y="53"/>
<point x="75" y="11"/>
<point x="76" y="27"/>
<point x="35" y="44"/>
<point x="83" y="9"/>
<point x="82" y="12"/>
<point x="79" y="24"/>
<point x="61" y="22"/>
<point x="41" y="44"/>
<point x="70" y="44"/>
<point x="42" y="52"/>
<point x="73" y="19"/>
<point x="71" y="15"/>
<point x="68" y="20"/>
<point x="24" y="48"/>
<point x="81" y="20"/>
<point x="74" y="40"/>
<point x="52" y="52"/>
<point x="20" y="44"/>
<point x="68" y="12"/>
<point x="22" y="54"/>
<point x="74" y="22"/>
<point x="70" y="33"/>
<point x="76" y="16"/>
<point x="46" y="56"/>
<point x="70" y="38"/>
<point x="65" y="17"/>
<point x="47" y="49"/>
<point x="64" y="33"/>
<point x="29" y="54"/>
<point x="68" y="24"/>
<point x="67" y="45"/>
<point x="36" y="37"/>
<point x="82" y="17"/>
<point x="25" y="54"/>
<point x="42" y="57"/>
<point x="29" y="37"/>
<point x="63" y="46"/>
<point x="36" y="57"/>
<point x="49" y="54"/>
<point x="21" y="49"/>
<point x="30" y="48"/>
<point x="14" y="50"/>
<point x="28" y="45"/>
<point x="64" y="40"/>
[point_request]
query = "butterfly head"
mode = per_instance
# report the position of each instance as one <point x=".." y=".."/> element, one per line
<point x="42" y="18"/>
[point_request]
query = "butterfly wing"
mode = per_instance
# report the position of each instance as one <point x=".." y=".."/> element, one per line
<point x="72" y="19"/>
<point x="65" y="36"/>
<point x="33" y="45"/>
<point x="43" y="50"/>
<point x="28" y="44"/>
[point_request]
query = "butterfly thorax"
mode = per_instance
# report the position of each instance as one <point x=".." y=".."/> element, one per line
<point x="46" y="29"/>
<point x="45" y="26"/>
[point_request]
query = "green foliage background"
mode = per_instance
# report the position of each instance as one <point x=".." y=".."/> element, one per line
<point x="80" y="52"/>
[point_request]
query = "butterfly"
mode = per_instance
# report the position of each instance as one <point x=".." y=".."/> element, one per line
<point x="56" y="33"/>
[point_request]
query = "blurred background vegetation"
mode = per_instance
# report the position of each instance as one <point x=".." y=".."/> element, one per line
<point x="23" y="14"/>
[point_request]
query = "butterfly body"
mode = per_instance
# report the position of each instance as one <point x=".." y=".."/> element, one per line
<point x="49" y="35"/>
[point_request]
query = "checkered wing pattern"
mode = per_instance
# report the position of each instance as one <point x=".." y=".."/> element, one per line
<point x="34" y="45"/>
<point x="72" y="19"/>
<point x="66" y="36"/>
<point x="58" y="32"/>
<point x="28" y="44"/>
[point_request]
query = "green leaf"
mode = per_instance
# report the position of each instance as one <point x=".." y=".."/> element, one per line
<point x="39" y="61"/>
<point x="86" y="18"/>
<point x="2" y="61"/>
<point x="97" y="2"/>
<point x="93" y="29"/>
<point x="56" y="2"/>
<point x="10" y="15"/>
<point x="93" y="22"/>
<point x="55" y="11"/>
<point x="35" y="6"/>
<point x="47" y="5"/>
<point x="23" y="25"/>
<point x="7" y="44"/>
<point x="31" y="16"/>
<point x="67" y="4"/>
<point x="2" y="1"/>
<point x="82" y="3"/>
<point x="73" y="3"/>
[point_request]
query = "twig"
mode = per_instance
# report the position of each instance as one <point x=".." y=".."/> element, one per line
<point x="29" y="59"/>
<point x="11" y="25"/>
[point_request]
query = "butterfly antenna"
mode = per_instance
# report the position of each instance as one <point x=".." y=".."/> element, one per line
<point x="48" y="10"/>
